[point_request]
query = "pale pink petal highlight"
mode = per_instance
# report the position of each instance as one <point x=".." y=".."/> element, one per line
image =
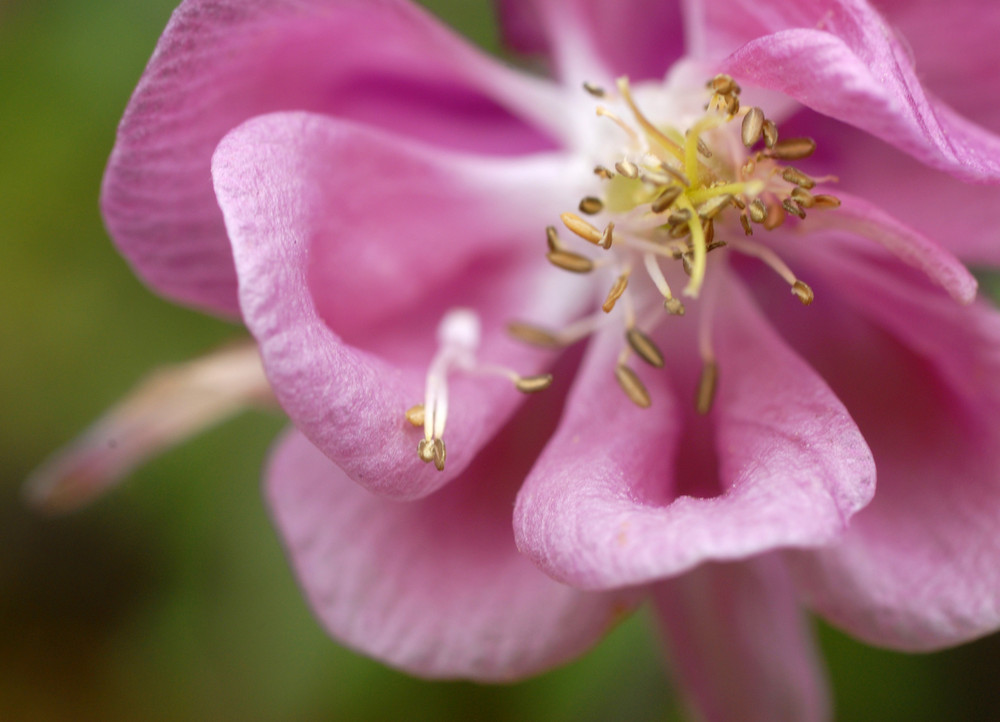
<point x="434" y="587"/>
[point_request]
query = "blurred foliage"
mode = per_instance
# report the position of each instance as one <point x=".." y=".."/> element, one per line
<point x="170" y="599"/>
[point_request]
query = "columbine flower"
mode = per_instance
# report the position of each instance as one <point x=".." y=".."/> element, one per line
<point x="769" y="297"/>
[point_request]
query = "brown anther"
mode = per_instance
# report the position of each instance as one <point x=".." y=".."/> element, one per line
<point x="723" y="84"/>
<point x="709" y="228"/>
<point x="679" y="217"/>
<point x="793" y="149"/>
<point x="770" y="131"/>
<point x="666" y="199"/>
<point x="713" y="206"/>
<point x="644" y="347"/>
<point x="738" y="202"/>
<point x="569" y="261"/>
<point x="531" y="384"/>
<point x="794" y="208"/>
<point x="415" y="415"/>
<point x="686" y="263"/>
<point x="632" y="386"/>
<point x="552" y="238"/>
<point x="745" y="222"/>
<point x="824" y="200"/>
<point x="803" y="291"/>
<point x="440" y="454"/>
<point x="703" y="149"/>
<point x="586" y="230"/>
<point x="753" y="127"/>
<point x="712" y="245"/>
<point x="707" y="384"/>
<point x="617" y="289"/>
<point x="603" y="172"/>
<point x="775" y="216"/>
<point x="607" y="236"/>
<point x="673" y="306"/>
<point x="803" y="197"/>
<point x="679" y="231"/>
<point x="676" y="174"/>
<point x="627" y="168"/>
<point x="425" y="450"/>
<point x="591" y="205"/>
<point x="596" y="90"/>
<point x="794" y="175"/>
<point x="732" y="104"/>
<point x="757" y="210"/>
<point x="533" y="335"/>
<point x="748" y="168"/>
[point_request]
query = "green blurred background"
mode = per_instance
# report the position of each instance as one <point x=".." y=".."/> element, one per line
<point x="170" y="599"/>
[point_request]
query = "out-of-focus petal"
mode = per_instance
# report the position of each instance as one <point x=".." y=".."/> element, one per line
<point x="919" y="568"/>
<point x="603" y="506"/>
<point x="955" y="51"/>
<point x="740" y="644"/>
<point x="860" y="217"/>
<point x="435" y="587"/>
<point x="172" y="404"/>
<point x="220" y="62"/>
<point x="426" y="231"/>
<point x="622" y="37"/>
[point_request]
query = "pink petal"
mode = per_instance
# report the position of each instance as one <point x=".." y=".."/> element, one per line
<point x="435" y="587"/>
<point x="740" y="644"/>
<point x="919" y="568"/>
<point x="863" y="77"/>
<point x="220" y="62"/>
<point x="935" y="203"/>
<point x="606" y="504"/>
<point x="624" y="37"/>
<point x="170" y="405"/>
<point x="858" y="216"/>
<point x="424" y="231"/>
<point x="956" y="53"/>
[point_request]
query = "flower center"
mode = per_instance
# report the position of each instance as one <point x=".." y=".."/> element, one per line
<point x="664" y="196"/>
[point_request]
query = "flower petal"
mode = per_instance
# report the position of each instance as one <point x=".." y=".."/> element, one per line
<point x="624" y="37"/>
<point x="858" y="216"/>
<point x="170" y="405"/>
<point x="740" y="644"/>
<point x="435" y="587"/>
<point x="425" y="231"/>
<point x="919" y="568"/>
<point x="864" y="78"/>
<point x="604" y="507"/>
<point x="220" y="62"/>
<point x="955" y="52"/>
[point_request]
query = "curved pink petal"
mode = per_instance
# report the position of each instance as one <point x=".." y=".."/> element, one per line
<point x="347" y="339"/>
<point x="919" y="568"/>
<point x="741" y="645"/>
<point x="933" y="202"/>
<point x="862" y="218"/>
<point x="606" y="504"/>
<point x="866" y="80"/>
<point x="956" y="53"/>
<point x="435" y="587"/>
<point x="625" y="37"/>
<point x="220" y="62"/>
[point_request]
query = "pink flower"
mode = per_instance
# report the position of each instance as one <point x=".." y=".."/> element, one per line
<point x="376" y="175"/>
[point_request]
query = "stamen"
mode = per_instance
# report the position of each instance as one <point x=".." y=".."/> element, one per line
<point x="666" y="199"/>
<point x="824" y="200"/>
<point x="627" y="168"/>
<point x="596" y="90"/>
<point x="792" y="149"/>
<point x="753" y="127"/>
<point x="552" y="238"/>
<point x="617" y="289"/>
<point x="591" y="205"/>
<point x="644" y="347"/>
<point x="569" y="261"/>
<point x="651" y="130"/>
<point x="415" y="415"/>
<point x="670" y="303"/>
<point x="772" y="260"/>
<point x="632" y="386"/>
<point x="794" y="175"/>
<point x="533" y="335"/>
<point x="533" y="384"/>
<point x="794" y="208"/>
<point x="707" y="383"/>
<point x="770" y="131"/>
<point x="606" y="113"/>
<point x="582" y="228"/>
